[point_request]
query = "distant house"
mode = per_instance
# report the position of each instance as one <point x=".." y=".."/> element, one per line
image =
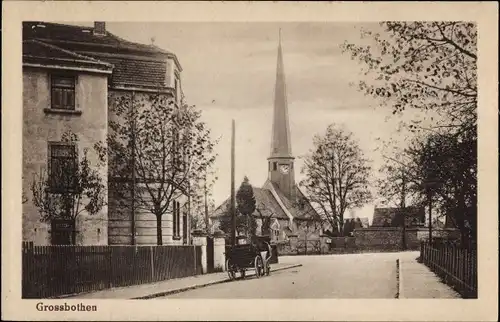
<point x="393" y="217"/>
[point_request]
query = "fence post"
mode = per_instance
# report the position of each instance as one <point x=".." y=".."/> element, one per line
<point x="110" y="267"/>
<point x="152" y="263"/>
<point x="195" y="261"/>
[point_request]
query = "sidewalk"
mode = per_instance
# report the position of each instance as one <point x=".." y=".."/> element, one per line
<point x="417" y="281"/>
<point x="152" y="290"/>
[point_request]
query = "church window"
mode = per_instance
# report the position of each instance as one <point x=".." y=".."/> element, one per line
<point x="275" y="166"/>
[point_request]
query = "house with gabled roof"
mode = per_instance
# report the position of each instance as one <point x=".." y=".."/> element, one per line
<point x="280" y="201"/>
<point x="70" y="76"/>
<point x="393" y="217"/>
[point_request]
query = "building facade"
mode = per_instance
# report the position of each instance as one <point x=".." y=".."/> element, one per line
<point x="279" y="202"/>
<point x="72" y="76"/>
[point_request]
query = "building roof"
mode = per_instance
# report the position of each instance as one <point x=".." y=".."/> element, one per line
<point x="280" y="142"/>
<point x="270" y="206"/>
<point x="37" y="52"/>
<point x="81" y="36"/>
<point x="393" y="216"/>
<point x="264" y="201"/>
<point x="134" y="64"/>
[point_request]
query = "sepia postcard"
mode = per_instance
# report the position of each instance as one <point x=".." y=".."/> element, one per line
<point x="249" y="161"/>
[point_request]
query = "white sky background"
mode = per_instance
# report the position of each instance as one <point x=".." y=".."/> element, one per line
<point x="229" y="72"/>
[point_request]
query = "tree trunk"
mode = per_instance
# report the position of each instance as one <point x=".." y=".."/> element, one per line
<point x="341" y="224"/>
<point x="159" y="238"/>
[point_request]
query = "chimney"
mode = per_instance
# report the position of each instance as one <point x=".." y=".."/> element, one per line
<point x="99" y="28"/>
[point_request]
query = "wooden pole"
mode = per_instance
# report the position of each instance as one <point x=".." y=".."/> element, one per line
<point x="206" y="204"/>
<point x="430" y="217"/>
<point x="233" y="201"/>
<point x="133" y="170"/>
<point x="403" y="207"/>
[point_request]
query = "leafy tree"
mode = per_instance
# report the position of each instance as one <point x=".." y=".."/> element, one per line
<point x="245" y="208"/>
<point x="431" y="67"/>
<point x="157" y="150"/>
<point x="246" y="225"/>
<point x="245" y="200"/>
<point x="337" y="175"/>
<point x="245" y="205"/>
<point x="448" y="168"/>
<point x="76" y="188"/>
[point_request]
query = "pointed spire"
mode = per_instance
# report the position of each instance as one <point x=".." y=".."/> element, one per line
<point x="280" y="144"/>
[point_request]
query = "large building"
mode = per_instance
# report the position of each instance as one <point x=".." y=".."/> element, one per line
<point x="71" y="78"/>
<point x="280" y="202"/>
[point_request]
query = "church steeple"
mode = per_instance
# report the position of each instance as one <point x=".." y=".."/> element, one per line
<point x="281" y="172"/>
<point x="280" y="142"/>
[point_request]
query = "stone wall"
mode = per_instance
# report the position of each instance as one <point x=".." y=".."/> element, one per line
<point x="378" y="237"/>
<point x="40" y="125"/>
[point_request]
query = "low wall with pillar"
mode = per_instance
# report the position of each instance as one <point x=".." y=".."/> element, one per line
<point x="219" y="252"/>
<point x="200" y="239"/>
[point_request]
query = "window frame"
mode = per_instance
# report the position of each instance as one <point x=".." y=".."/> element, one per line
<point x="176" y="225"/>
<point x="50" y="157"/>
<point x="72" y="88"/>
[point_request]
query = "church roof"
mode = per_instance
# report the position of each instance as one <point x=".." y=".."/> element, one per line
<point x="280" y="142"/>
<point x="269" y="206"/>
<point x="264" y="201"/>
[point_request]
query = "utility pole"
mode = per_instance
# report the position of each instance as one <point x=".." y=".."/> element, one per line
<point x="403" y="205"/>
<point x="430" y="216"/>
<point x="133" y="168"/>
<point x="206" y="203"/>
<point x="233" y="201"/>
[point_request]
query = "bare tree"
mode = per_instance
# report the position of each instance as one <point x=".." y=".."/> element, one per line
<point x="336" y="175"/>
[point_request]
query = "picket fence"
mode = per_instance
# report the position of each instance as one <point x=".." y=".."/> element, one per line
<point x="455" y="265"/>
<point x="52" y="271"/>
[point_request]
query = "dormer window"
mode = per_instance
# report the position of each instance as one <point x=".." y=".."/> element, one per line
<point x="63" y="92"/>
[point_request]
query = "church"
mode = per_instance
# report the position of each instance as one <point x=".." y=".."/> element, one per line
<point x="280" y="204"/>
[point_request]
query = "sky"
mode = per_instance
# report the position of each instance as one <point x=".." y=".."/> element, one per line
<point x="229" y="72"/>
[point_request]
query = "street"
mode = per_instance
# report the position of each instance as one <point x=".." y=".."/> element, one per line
<point x="334" y="276"/>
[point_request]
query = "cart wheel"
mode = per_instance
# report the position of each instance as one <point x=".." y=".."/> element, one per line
<point x="259" y="267"/>
<point x="230" y="270"/>
<point x="243" y="274"/>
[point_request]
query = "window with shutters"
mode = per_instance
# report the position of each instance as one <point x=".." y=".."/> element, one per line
<point x="62" y="92"/>
<point x="63" y="166"/>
